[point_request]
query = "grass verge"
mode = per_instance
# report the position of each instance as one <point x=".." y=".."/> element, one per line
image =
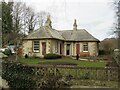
<point x="78" y="62"/>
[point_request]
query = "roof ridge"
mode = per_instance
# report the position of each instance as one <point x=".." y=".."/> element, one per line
<point x="91" y="35"/>
<point x="48" y="31"/>
<point x="70" y="30"/>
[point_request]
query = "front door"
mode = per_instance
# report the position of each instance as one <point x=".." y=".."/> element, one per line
<point x="60" y="48"/>
<point x="77" y="48"/>
<point x="68" y="49"/>
<point x="43" y="48"/>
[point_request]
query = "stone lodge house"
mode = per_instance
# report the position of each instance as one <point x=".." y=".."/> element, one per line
<point x="65" y="42"/>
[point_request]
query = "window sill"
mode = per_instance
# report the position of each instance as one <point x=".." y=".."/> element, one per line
<point x="36" y="51"/>
<point x="85" y="51"/>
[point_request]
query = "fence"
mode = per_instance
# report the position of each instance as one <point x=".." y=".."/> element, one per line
<point x="21" y="75"/>
<point x="82" y="73"/>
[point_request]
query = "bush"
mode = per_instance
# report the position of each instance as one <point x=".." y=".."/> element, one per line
<point x="17" y="75"/>
<point x="52" y="81"/>
<point x="7" y="52"/>
<point x="104" y="52"/>
<point x="24" y="77"/>
<point x="52" y="56"/>
<point x="112" y="64"/>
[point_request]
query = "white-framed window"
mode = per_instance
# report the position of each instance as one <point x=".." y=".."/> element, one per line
<point x="56" y="47"/>
<point x="85" y="46"/>
<point x="36" y="46"/>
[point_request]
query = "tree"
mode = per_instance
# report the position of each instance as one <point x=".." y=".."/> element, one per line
<point x="18" y="20"/>
<point x="34" y="20"/>
<point x="0" y="24"/>
<point x="108" y="45"/>
<point x="117" y="31"/>
<point x="7" y="23"/>
<point x="18" y="15"/>
<point x="31" y="19"/>
<point x="42" y="18"/>
<point x="12" y="22"/>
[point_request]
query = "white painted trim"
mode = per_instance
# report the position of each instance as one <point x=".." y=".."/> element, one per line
<point x="85" y="51"/>
<point x="35" y="50"/>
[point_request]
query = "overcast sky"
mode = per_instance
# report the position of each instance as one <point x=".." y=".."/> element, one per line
<point x="96" y="16"/>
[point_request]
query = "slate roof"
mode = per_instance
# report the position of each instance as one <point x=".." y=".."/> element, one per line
<point x="66" y="35"/>
<point x="45" y="33"/>
<point x="77" y="35"/>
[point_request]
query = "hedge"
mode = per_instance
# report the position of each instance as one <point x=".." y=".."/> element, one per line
<point x="7" y="52"/>
<point x="17" y="75"/>
<point x="52" y="56"/>
<point x="104" y="52"/>
<point x="22" y="76"/>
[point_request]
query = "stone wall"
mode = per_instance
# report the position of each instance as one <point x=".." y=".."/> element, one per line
<point x="51" y="47"/>
<point x="93" y="48"/>
<point x="54" y="47"/>
<point x="27" y="47"/>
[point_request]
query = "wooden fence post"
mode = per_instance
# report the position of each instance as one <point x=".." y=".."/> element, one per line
<point x="96" y="73"/>
<point x="108" y="74"/>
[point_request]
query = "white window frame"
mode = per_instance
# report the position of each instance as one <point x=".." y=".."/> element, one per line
<point x="36" y="46"/>
<point x="56" y="46"/>
<point x="85" y="45"/>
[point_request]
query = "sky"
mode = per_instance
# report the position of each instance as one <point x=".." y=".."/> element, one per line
<point x="96" y="16"/>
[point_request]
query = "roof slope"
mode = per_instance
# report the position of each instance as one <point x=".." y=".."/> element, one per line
<point x="77" y="35"/>
<point x="67" y="35"/>
<point x="43" y="33"/>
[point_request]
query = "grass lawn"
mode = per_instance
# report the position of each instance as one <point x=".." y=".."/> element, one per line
<point x="78" y="62"/>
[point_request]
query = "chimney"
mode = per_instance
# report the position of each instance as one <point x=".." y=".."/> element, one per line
<point x="48" y="22"/>
<point x="75" y="25"/>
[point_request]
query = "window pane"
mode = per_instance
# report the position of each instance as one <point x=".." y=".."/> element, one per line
<point x="56" y="47"/>
<point x="36" y="46"/>
<point x="85" y="47"/>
